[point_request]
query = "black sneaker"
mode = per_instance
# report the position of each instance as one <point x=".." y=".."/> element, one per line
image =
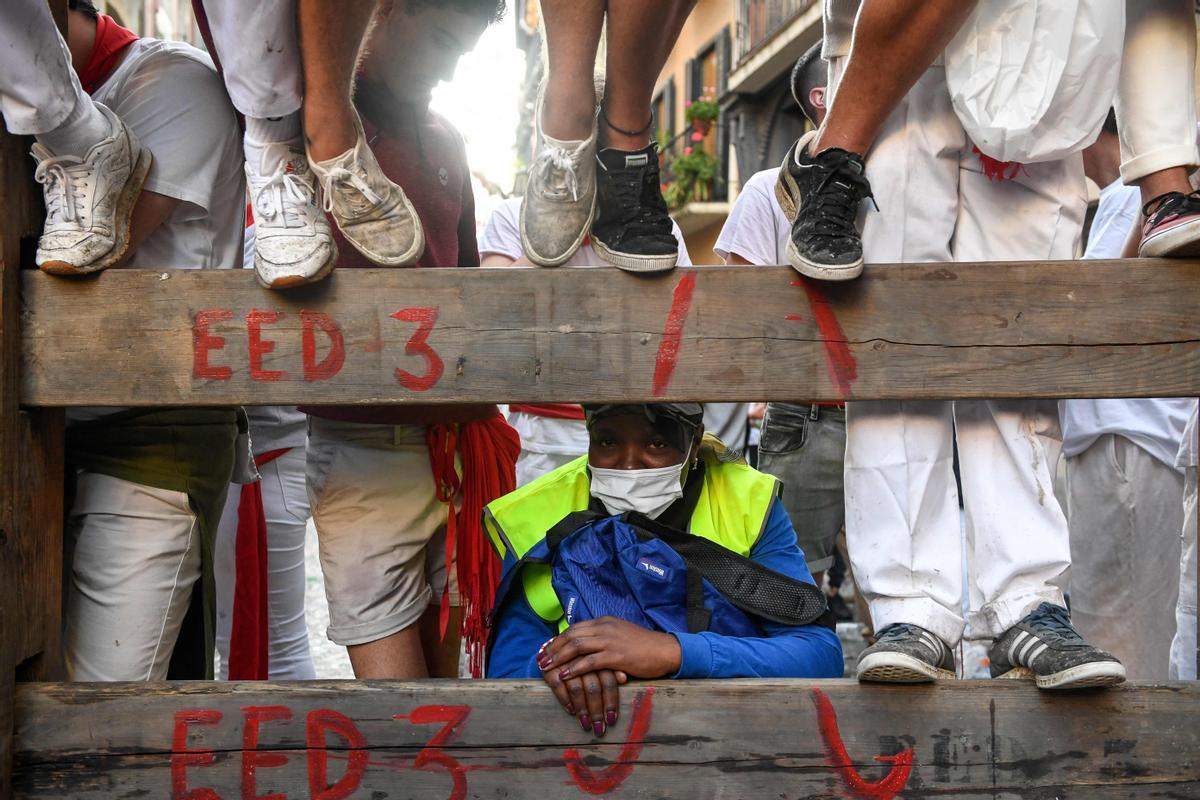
<point x="632" y="229"/>
<point x="905" y="653"/>
<point x="820" y="196"/>
<point x="1045" y="647"/>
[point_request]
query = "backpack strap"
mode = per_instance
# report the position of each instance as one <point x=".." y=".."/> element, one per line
<point x="750" y="586"/>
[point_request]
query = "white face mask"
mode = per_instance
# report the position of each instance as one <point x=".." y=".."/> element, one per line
<point x="649" y="491"/>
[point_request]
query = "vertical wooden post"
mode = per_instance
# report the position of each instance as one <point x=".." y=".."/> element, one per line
<point x="31" y="465"/>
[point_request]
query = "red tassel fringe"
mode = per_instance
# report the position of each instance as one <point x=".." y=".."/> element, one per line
<point x="489" y="450"/>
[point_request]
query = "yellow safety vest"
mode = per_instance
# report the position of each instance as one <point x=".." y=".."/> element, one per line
<point x="731" y="511"/>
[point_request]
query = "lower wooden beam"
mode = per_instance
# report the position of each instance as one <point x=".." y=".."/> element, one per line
<point x="685" y="739"/>
<point x="912" y="331"/>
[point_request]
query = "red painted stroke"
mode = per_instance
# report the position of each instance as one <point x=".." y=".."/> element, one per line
<point x="843" y="369"/>
<point x="332" y="363"/>
<point x="612" y="777"/>
<point x="203" y="341"/>
<point x="432" y="757"/>
<point x="183" y="757"/>
<point x="836" y="756"/>
<point x="672" y="336"/>
<point x="257" y="346"/>
<point x="418" y="345"/>
<point x="317" y="723"/>
<point x="252" y="760"/>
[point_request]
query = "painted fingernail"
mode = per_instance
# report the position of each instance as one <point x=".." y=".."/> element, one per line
<point x="545" y="661"/>
<point x="611" y="718"/>
<point x="598" y="728"/>
<point x="564" y="674"/>
<point x="584" y="722"/>
<point x="571" y="709"/>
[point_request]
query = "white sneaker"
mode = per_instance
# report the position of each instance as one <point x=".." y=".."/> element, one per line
<point x="89" y="201"/>
<point x="293" y="243"/>
<point x="371" y="212"/>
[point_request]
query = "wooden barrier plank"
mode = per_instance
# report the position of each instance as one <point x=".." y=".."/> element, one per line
<point x="1054" y="329"/>
<point x="686" y="739"/>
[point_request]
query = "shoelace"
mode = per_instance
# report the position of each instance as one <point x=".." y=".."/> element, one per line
<point x="1169" y="204"/>
<point x="347" y="183"/>
<point x="62" y="176"/>
<point x="896" y="631"/>
<point x="638" y="198"/>
<point x="559" y="170"/>
<point x="285" y="194"/>
<point x="1053" y="621"/>
<point x="834" y="205"/>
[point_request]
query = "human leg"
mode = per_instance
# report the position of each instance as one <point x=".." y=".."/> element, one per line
<point x="375" y="508"/>
<point x="633" y="228"/>
<point x="1125" y="510"/>
<point x="894" y="44"/>
<point x="136" y="559"/>
<point x="1156" y="114"/>
<point x="1183" y="646"/>
<point x="285" y="506"/>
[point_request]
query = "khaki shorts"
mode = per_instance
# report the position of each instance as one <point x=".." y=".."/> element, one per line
<point x="381" y="529"/>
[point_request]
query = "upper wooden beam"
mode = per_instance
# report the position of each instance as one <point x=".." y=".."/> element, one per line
<point x="676" y="739"/>
<point x="917" y="331"/>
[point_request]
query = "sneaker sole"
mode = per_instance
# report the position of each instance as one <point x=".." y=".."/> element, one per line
<point x="409" y="256"/>
<point x="632" y="262"/>
<point x="822" y="272"/>
<point x="1182" y="241"/>
<point x="898" y="668"/>
<point x="1084" y="676"/>
<point x="125" y="203"/>
<point x="557" y="261"/>
<point x="292" y="281"/>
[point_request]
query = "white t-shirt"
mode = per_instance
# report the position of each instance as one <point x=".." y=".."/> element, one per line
<point x="1154" y="424"/>
<point x="756" y="228"/>
<point x="171" y="97"/>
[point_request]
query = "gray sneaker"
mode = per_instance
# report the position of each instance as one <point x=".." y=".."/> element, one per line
<point x="560" y="198"/>
<point x="905" y="653"/>
<point x="1045" y="647"/>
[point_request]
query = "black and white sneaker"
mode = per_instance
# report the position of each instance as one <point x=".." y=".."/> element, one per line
<point x="1045" y="647"/>
<point x="632" y="229"/>
<point x="905" y="653"/>
<point x="820" y="196"/>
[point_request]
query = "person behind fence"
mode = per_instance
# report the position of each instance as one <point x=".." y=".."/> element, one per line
<point x="90" y="164"/>
<point x="397" y="492"/>
<point x="149" y="483"/>
<point x="602" y="598"/>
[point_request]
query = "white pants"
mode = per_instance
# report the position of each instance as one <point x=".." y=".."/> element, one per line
<point x="1156" y="97"/>
<point x="259" y="50"/>
<point x="136" y="557"/>
<point x="547" y="443"/>
<point x="1125" y="509"/>
<point x="902" y="515"/>
<point x="285" y="506"/>
<point x="1183" y="647"/>
<point x="38" y="87"/>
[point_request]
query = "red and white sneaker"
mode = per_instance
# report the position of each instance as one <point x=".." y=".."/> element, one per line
<point x="1171" y="226"/>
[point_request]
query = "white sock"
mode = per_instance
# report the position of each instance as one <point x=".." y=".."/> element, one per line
<point x="83" y="128"/>
<point x="275" y="130"/>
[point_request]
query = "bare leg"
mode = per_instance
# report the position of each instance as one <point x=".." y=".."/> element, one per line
<point x="398" y="656"/>
<point x="641" y="34"/>
<point x="1156" y="184"/>
<point x="441" y="655"/>
<point x="895" y="41"/>
<point x="331" y="36"/>
<point x="572" y="36"/>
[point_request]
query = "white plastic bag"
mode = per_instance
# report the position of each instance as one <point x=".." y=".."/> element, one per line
<point x="1032" y="80"/>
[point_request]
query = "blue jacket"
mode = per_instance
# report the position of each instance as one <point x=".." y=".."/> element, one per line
<point x="809" y="651"/>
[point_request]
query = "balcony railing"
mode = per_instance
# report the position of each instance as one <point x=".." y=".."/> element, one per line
<point x="759" y="20"/>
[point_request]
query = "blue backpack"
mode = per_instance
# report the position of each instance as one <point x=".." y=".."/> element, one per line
<point x="641" y="571"/>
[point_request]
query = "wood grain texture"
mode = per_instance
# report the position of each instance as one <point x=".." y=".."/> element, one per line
<point x="1056" y="329"/>
<point x="685" y="739"/>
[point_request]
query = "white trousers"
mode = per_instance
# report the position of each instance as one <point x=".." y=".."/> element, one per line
<point x="902" y="511"/>
<point x="1156" y="96"/>
<point x="259" y="50"/>
<point x="136" y="557"/>
<point x="1183" y="647"/>
<point x="38" y="87"/>
<point x="285" y="505"/>
<point x="1125" y="509"/>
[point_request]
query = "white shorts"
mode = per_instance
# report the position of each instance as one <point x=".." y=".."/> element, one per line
<point x="380" y="527"/>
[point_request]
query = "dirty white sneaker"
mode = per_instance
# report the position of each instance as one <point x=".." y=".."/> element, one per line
<point x="89" y="201"/>
<point x="560" y="198"/>
<point x="293" y="243"/>
<point x="371" y="212"/>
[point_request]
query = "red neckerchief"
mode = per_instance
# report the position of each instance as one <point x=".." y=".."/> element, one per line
<point x="111" y="41"/>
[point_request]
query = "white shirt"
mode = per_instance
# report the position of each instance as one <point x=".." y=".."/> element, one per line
<point x="756" y="228"/>
<point x="1154" y="424"/>
<point x="170" y="96"/>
